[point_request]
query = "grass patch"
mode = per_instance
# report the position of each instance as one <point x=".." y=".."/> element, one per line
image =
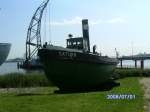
<point x="38" y="79"/>
<point x="122" y="73"/>
<point x="16" y="80"/>
<point x="77" y="102"/>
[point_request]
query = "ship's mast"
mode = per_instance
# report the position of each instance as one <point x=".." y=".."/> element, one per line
<point x="33" y="42"/>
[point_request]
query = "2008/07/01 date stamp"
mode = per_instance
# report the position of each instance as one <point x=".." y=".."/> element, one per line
<point x="120" y="97"/>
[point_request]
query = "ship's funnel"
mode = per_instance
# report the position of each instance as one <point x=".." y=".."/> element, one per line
<point x="85" y="28"/>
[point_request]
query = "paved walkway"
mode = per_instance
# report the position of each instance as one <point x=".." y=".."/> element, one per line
<point x="146" y="86"/>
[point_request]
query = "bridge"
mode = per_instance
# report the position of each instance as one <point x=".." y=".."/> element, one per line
<point x="135" y="58"/>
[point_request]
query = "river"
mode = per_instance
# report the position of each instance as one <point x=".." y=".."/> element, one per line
<point x="132" y="64"/>
<point x="12" y="67"/>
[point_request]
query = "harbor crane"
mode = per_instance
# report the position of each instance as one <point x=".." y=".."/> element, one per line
<point x="34" y="32"/>
<point x="33" y="41"/>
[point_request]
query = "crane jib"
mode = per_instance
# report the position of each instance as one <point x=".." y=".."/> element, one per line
<point x="34" y="31"/>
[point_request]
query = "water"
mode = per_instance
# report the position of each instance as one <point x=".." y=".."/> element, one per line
<point x="132" y="64"/>
<point x="10" y="68"/>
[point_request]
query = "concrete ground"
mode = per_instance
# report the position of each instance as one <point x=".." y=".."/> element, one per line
<point x="146" y="87"/>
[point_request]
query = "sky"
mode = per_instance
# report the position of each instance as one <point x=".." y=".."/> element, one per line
<point x="120" y="24"/>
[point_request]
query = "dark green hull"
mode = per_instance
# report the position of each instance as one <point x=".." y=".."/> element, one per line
<point x="68" y="75"/>
<point x="71" y="73"/>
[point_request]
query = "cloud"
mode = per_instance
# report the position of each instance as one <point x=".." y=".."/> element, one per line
<point x="97" y="22"/>
<point x="74" y="21"/>
<point x="117" y="20"/>
<point x="77" y="21"/>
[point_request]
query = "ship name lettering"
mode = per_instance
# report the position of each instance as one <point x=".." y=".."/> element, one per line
<point x="67" y="54"/>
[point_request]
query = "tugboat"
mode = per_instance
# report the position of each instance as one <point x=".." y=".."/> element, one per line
<point x="75" y="67"/>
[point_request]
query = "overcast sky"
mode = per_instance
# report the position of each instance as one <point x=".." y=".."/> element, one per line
<point x="121" y="24"/>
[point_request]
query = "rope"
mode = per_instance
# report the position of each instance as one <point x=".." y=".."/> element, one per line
<point x="47" y="32"/>
<point x="49" y="25"/>
<point x="45" y="26"/>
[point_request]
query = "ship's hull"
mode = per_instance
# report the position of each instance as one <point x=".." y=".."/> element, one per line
<point x="75" y="70"/>
<point x="4" y="51"/>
